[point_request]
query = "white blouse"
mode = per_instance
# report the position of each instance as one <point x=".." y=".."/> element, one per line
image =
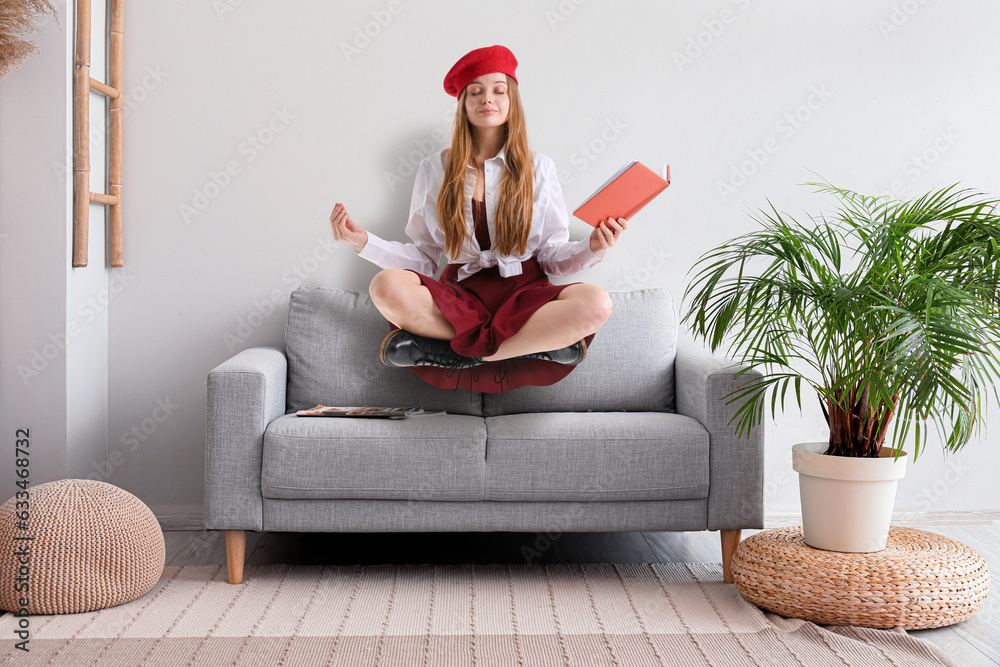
<point x="548" y="240"/>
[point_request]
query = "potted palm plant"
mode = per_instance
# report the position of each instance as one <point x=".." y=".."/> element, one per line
<point x="888" y="312"/>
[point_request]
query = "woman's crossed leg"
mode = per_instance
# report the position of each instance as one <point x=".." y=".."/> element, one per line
<point x="577" y="312"/>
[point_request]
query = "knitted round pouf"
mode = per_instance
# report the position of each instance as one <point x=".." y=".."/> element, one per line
<point x="79" y="545"/>
<point x="920" y="580"/>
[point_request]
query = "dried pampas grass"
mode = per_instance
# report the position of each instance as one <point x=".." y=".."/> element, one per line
<point x="17" y="20"/>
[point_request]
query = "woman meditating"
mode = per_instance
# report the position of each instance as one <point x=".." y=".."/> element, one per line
<point x="495" y="207"/>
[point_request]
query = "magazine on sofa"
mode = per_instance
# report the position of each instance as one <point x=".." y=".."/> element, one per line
<point x="364" y="411"/>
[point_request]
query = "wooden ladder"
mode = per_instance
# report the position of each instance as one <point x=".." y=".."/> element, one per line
<point x="82" y="85"/>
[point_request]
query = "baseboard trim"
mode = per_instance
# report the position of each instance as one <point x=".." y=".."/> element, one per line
<point x="909" y="518"/>
<point x="182" y="521"/>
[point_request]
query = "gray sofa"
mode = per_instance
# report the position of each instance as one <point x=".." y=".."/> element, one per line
<point x="635" y="438"/>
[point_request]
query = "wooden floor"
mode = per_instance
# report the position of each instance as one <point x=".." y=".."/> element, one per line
<point x="972" y="643"/>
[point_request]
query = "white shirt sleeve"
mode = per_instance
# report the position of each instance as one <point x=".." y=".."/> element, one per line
<point x="558" y="255"/>
<point x="424" y="254"/>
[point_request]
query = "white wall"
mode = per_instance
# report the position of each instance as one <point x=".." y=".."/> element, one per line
<point x="88" y="299"/>
<point x="54" y="332"/>
<point x="245" y="122"/>
<point x="35" y="201"/>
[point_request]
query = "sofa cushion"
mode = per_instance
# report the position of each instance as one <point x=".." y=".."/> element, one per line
<point x="332" y="343"/>
<point x="431" y="457"/>
<point x="596" y="456"/>
<point x="630" y="365"/>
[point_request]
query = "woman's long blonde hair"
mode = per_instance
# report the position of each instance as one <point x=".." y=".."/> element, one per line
<point x="514" y="202"/>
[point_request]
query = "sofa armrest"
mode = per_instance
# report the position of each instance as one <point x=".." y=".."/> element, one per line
<point x="736" y="464"/>
<point x="245" y="394"/>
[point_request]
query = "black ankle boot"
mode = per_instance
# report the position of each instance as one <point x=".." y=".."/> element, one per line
<point x="403" y="349"/>
<point x="569" y="356"/>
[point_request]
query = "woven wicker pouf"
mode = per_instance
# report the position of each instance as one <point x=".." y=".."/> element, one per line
<point x="920" y="580"/>
<point x="92" y="545"/>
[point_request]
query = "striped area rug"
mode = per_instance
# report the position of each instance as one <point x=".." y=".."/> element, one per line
<point x="441" y="616"/>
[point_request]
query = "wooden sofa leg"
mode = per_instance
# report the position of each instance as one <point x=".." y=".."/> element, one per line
<point x="236" y="548"/>
<point x="730" y="540"/>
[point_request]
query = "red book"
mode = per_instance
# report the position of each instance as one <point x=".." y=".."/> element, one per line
<point x="625" y="193"/>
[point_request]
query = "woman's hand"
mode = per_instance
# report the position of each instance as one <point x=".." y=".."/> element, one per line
<point x="606" y="233"/>
<point x="346" y="230"/>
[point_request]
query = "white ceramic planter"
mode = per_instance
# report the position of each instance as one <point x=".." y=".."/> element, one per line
<point x="846" y="502"/>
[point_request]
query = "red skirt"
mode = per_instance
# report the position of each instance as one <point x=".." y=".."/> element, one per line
<point x="486" y="309"/>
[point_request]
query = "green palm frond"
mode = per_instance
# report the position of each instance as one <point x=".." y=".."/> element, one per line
<point x="888" y="310"/>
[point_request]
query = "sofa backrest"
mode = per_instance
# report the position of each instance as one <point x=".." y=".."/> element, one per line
<point x="332" y="343"/>
<point x="629" y="366"/>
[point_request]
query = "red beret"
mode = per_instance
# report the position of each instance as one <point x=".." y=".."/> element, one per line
<point x="476" y="63"/>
